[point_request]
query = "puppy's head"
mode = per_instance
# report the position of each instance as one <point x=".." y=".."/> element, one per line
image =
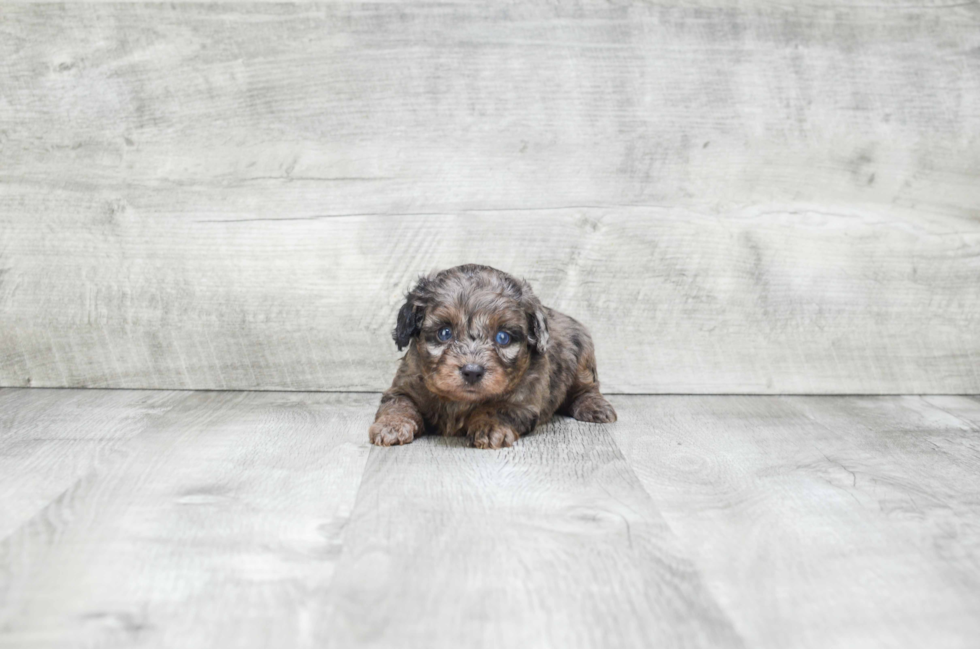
<point x="475" y="331"/>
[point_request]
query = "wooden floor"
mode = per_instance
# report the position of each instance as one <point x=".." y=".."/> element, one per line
<point x="250" y="519"/>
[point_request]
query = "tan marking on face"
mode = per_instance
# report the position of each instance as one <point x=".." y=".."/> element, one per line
<point x="475" y="314"/>
<point x="446" y="380"/>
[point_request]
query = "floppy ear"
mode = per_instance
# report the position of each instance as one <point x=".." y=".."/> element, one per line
<point x="411" y="315"/>
<point x="537" y="322"/>
<point x="408" y="324"/>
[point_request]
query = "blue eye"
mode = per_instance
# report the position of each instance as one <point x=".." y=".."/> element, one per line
<point x="444" y="334"/>
<point x="503" y="338"/>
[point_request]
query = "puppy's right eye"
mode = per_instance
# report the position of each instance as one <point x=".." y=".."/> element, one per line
<point x="444" y="334"/>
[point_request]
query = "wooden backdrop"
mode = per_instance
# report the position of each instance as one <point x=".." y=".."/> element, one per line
<point x="734" y="197"/>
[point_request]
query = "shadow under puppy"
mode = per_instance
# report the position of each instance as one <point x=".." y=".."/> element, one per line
<point x="485" y="359"/>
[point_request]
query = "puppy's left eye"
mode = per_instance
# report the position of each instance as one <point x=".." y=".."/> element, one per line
<point x="444" y="334"/>
<point x="502" y="338"/>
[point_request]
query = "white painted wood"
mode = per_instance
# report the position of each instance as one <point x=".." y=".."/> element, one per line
<point x="676" y="301"/>
<point x="968" y="408"/>
<point x="261" y="519"/>
<point x="550" y="544"/>
<point x="755" y="199"/>
<point x="820" y="522"/>
<point x="50" y="439"/>
<point x="218" y="525"/>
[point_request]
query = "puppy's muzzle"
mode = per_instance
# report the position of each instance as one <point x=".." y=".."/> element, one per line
<point x="472" y="373"/>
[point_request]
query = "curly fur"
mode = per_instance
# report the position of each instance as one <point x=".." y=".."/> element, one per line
<point x="549" y="365"/>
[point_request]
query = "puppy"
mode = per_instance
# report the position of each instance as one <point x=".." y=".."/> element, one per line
<point x="487" y="360"/>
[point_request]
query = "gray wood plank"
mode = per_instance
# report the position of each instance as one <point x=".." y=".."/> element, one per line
<point x="676" y="302"/>
<point x="219" y="525"/>
<point x="759" y="198"/>
<point x="231" y="518"/>
<point x="552" y="543"/>
<point x="49" y="439"/>
<point x="415" y="107"/>
<point x="959" y="406"/>
<point x="820" y="522"/>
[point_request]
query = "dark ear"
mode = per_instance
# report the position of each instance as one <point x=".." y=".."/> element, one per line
<point x="408" y="325"/>
<point x="537" y="322"/>
<point x="411" y="315"/>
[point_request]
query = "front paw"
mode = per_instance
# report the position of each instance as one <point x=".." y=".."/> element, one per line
<point x="492" y="434"/>
<point x="392" y="429"/>
<point x="594" y="408"/>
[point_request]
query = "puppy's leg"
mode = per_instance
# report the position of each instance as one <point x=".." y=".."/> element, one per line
<point x="496" y="426"/>
<point x="584" y="401"/>
<point x="398" y="421"/>
<point x="591" y="406"/>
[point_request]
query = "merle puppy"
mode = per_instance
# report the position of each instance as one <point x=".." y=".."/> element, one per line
<point x="487" y="360"/>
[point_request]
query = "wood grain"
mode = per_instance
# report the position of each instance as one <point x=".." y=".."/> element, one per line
<point x="258" y="519"/>
<point x="550" y="544"/>
<point x="820" y="522"/>
<point x="49" y="439"/>
<point x="218" y="525"/>
<point x="754" y="199"/>
<point x="968" y="408"/>
<point x="677" y="302"/>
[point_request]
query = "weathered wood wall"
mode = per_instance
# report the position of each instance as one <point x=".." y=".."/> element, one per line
<point x="762" y="198"/>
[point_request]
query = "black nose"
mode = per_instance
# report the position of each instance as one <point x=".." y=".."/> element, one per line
<point x="472" y="373"/>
